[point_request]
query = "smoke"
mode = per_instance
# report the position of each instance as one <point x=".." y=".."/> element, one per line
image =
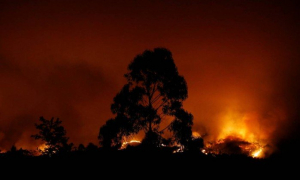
<point x="50" y="90"/>
<point x="254" y="96"/>
<point x="67" y="60"/>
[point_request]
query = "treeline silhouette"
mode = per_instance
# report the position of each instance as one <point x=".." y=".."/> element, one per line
<point x="152" y="102"/>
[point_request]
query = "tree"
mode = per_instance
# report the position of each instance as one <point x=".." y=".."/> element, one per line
<point x="18" y="153"/>
<point x="91" y="147"/>
<point x="152" y="96"/>
<point x="54" y="136"/>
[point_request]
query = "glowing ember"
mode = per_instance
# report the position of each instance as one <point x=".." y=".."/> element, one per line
<point x="179" y="150"/>
<point x="204" y="151"/>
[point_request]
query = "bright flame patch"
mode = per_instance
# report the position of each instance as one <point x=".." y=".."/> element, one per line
<point x="257" y="154"/>
<point x="240" y="133"/>
<point x="132" y="142"/>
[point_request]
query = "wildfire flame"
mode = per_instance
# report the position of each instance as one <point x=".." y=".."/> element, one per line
<point x="126" y="143"/>
<point x="42" y="147"/>
<point x="204" y="151"/>
<point x="239" y="134"/>
<point x="257" y="154"/>
<point x="196" y="134"/>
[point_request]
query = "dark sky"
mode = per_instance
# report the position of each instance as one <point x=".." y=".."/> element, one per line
<point x="67" y="58"/>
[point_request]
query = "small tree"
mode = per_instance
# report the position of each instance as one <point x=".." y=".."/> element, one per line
<point x="53" y="134"/>
<point x="91" y="147"/>
<point x="81" y="148"/>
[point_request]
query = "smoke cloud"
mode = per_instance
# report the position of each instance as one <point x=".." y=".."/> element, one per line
<point x="67" y="60"/>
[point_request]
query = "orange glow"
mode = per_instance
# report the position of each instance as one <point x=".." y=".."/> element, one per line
<point x="196" y="135"/>
<point x="132" y="143"/>
<point x="257" y="153"/>
<point x="241" y="131"/>
<point x="238" y="59"/>
<point x="243" y="126"/>
<point x="42" y="147"/>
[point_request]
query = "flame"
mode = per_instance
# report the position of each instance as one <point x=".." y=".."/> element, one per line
<point x="42" y="147"/>
<point x="240" y="125"/>
<point x="258" y="153"/>
<point x="204" y="151"/>
<point x="196" y="135"/>
<point x="179" y="149"/>
<point x="126" y="143"/>
<point x="240" y="134"/>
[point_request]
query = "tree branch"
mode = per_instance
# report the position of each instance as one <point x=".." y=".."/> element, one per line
<point x="153" y="90"/>
<point x="156" y="98"/>
<point x="163" y="103"/>
<point x="166" y="127"/>
<point x="144" y="101"/>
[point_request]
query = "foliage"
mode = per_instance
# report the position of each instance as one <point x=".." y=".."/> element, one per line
<point x="152" y="96"/>
<point x="54" y="135"/>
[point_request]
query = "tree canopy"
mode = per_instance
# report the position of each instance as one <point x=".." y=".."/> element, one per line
<point x="150" y="101"/>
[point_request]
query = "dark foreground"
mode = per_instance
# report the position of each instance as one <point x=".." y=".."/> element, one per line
<point x="121" y="164"/>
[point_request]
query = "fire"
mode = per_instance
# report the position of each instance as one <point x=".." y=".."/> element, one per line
<point x="257" y="153"/>
<point x="132" y="142"/>
<point x="42" y="147"/>
<point x="179" y="149"/>
<point x="239" y="134"/>
<point x="204" y="151"/>
<point x="196" y="134"/>
<point x="240" y="125"/>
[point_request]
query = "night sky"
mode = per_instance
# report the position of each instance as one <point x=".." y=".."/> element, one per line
<point x="67" y="59"/>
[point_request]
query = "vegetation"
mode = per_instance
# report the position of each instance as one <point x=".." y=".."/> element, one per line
<point x="54" y="135"/>
<point x="152" y="96"/>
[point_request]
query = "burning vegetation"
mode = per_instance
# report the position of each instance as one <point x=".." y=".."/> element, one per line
<point x="230" y="145"/>
<point x="240" y="134"/>
<point x="133" y="142"/>
<point x="234" y="145"/>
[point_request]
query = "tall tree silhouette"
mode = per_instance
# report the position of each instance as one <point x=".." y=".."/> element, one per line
<point x="54" y="136"/>
<point x="151" y="98"/>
